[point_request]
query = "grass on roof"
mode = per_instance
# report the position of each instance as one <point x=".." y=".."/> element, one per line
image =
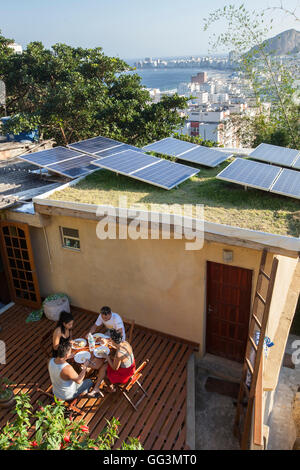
<point x="224" y="203"/>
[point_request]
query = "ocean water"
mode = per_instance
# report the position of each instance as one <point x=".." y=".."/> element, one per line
<point x="169" y="79"/>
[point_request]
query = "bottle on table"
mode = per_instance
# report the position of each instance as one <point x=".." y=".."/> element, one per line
<point x="91" y="341"/>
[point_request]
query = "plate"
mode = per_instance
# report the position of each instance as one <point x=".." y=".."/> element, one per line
<point x="101" y="351"/>
<point x="82" y="356"/>
<point x="101" y="335"/>
<point x="79" y="347"/>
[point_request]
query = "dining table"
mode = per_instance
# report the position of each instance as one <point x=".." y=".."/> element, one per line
<point x="100" y="342"/>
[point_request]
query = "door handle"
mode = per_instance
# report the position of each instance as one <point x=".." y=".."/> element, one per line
<point x="210" y="309"/>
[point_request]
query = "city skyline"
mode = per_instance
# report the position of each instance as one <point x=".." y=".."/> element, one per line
<point x="130" y="29"/>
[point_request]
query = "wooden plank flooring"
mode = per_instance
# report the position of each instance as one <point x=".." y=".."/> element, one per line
<point x="160" y="419"/>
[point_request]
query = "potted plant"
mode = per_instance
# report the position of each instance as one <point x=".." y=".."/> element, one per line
<point x="7" y="398"/>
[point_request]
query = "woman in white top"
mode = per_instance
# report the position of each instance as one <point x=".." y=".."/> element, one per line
<point x="66" y="383"/>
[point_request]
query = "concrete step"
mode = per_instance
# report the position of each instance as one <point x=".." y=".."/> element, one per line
<point x="219" y="367"/>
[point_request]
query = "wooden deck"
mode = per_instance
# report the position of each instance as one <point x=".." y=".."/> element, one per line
<point x="160" y="421"/>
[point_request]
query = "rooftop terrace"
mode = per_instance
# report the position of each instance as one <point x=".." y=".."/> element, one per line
<point x="224" y="203"/>
<point x="161" y="417"/>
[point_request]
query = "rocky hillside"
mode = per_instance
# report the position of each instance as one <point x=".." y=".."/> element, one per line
<point x="284" y="43"/>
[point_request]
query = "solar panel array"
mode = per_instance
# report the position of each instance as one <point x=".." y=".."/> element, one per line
<point x="146" y="168"/>
<point x="276" y="155"/>
<point x="188" y="152"/>
<point x="63" y="161"/>
<point x="263" y="176"/>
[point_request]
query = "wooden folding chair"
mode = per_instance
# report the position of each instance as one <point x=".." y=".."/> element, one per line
<point x="70" y="405"/>
<point x="134" y="379"/>
<point x="131" y="324"/>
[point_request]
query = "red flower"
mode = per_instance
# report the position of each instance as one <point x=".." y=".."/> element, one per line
<point x="34" y="444"/>
<point x="67" y="438"/>
<point x="42" y="408"/>
<point x="84" y="428"/>
<point x="96" y="448"/>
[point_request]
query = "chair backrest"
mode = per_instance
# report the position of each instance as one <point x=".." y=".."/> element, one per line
<point x="136" y="376"/>
<point x="131" y="324"/>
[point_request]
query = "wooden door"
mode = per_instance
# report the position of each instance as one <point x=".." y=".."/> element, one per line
<point x="228" y="310"/>
<point x="19" y="263"/>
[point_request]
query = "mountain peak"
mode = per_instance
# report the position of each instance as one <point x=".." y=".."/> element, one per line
<point x="287" y="42"/>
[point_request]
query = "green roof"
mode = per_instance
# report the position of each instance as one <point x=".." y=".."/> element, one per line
<point x="224" y="203"/>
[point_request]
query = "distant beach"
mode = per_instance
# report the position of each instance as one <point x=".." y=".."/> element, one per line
<point x="169" y="79"/>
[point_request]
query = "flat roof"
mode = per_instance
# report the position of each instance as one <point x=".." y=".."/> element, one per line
<point x="224" y="203"/>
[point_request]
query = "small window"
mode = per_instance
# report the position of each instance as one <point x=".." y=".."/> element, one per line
<point x="70" y="238"/>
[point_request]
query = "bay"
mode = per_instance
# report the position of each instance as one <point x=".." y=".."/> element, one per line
<point x="169" y="79"/>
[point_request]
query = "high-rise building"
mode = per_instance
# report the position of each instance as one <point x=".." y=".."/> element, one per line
<point x="201" y="77"/>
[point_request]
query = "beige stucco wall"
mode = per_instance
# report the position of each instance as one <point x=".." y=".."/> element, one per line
<point x="156" y="282"/>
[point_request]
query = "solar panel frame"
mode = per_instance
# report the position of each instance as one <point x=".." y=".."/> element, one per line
<point x="287" y="184"/>
<point x="248" y="167"/>
<point x="189" y="172"/>
<point x="274" y="154"/>
<point x="59" y="163"/>
<point x="207" y="156"/>
<point x="151" y="162"/>
<point x="52" y="156"/>
<point x="115" y="150"/>
<point x="188" y="154"/>
<point x="296" y="164"/>
<point x="170" y="142"/>
<point x="88" y="145"/>
<point x="127" y="162"/>
<point x="70" y="168"/>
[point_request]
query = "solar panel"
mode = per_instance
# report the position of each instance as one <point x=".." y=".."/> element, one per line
<point x="205" y="156"/>
<point x="274" y="154"/>
<point x="170" y="146"/>
<point x="188" y="152"/>
<point x="113" y="151"/>
<point x="61" y="160"/>
<point x="249" y="173"/>
<point x="126" y="162"/>
<point x="47" y="157"/>
<point x="288" y="184"/>
<point x="74" y="167"/>
<point x="296" y="165"/>
<point x="153" y="170"/>
<point x="95" y="145"/>
<point x="165" y="174"/>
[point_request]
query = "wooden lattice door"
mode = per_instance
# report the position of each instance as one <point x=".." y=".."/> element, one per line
<point x="19" y="262"/>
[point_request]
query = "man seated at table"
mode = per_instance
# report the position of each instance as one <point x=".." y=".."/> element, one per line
<point x="66" y="383"/>
<point x="111" y="321"/>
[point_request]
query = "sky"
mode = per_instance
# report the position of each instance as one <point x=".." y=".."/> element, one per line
<point x="125" y="28"/>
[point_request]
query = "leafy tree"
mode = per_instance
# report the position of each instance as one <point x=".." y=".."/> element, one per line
<point x="75" y="93"/>
<point x="269" y="79"/>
